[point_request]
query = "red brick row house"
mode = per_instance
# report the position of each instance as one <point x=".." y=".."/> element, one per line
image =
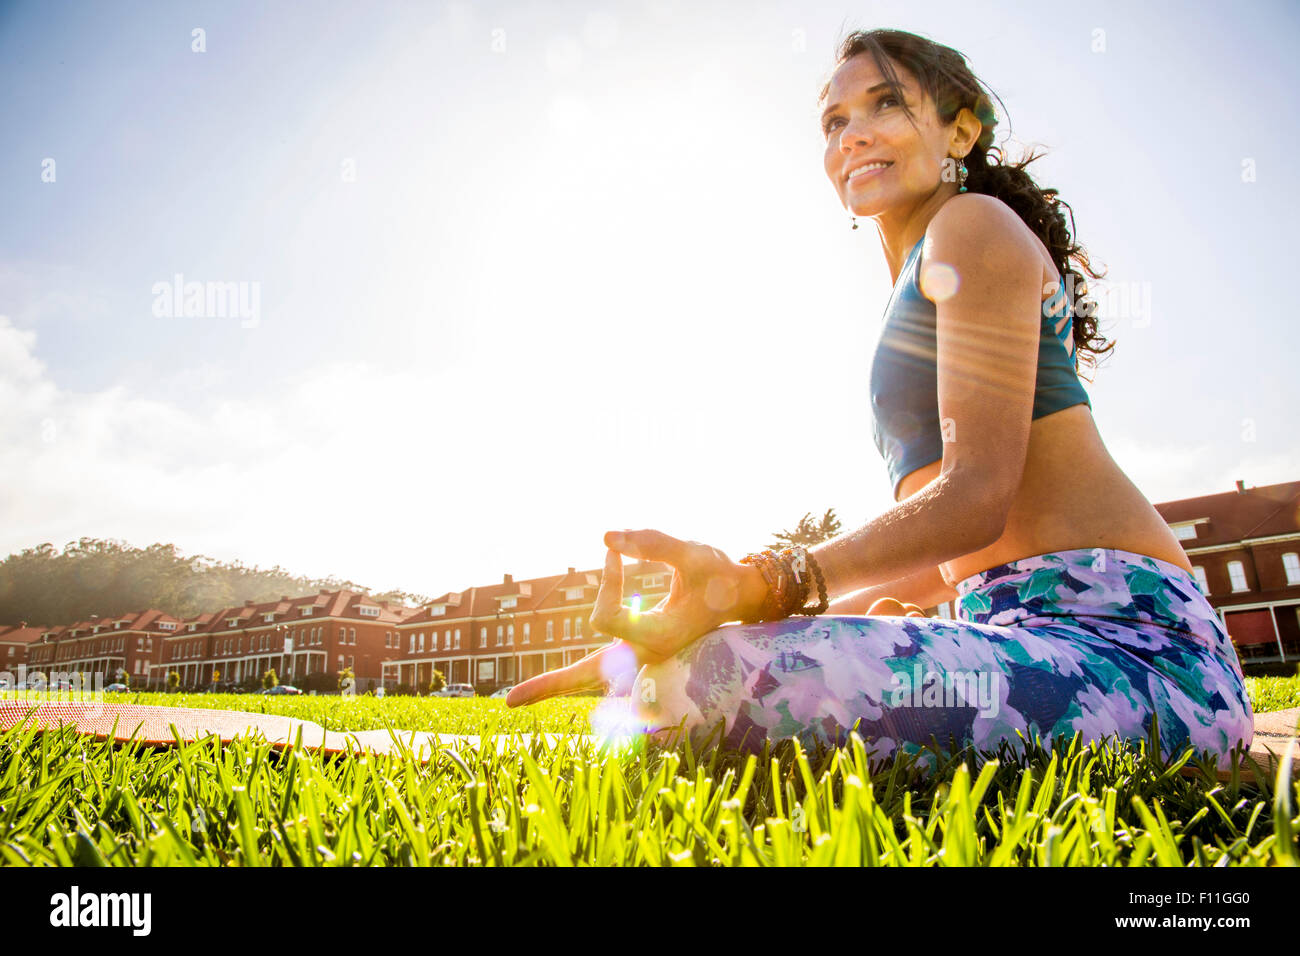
<point x="305" y="640"/>
<point x="508" y="632"/>
<point x="15" y="639"/>
<point x="109" y="647"/>
<point x="1245" y="548"/>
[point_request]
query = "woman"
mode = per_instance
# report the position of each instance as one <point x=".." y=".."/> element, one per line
<point x="1075" y="606"/>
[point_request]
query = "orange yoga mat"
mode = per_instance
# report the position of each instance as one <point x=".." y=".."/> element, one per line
<point x="1274" y="732"/>
<point x="153" y="726"/>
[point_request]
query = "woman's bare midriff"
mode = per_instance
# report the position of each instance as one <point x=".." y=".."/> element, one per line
<point x="1072" y="495"/>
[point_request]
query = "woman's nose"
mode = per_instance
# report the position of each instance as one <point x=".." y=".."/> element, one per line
<point x="855" y="135"/>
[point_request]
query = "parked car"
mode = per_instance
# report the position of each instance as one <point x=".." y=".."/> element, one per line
<point x="282" y="689"/>
<point x="117" y="689"/>
<point x="501" y="691"/>
<point x="456" y="690"/>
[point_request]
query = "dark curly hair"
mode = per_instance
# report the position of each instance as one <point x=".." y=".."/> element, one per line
<point x="944" y="75"/>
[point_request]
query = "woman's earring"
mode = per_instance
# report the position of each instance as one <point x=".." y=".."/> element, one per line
<point x="854" y="220"/>
<point x="962" y="173"/>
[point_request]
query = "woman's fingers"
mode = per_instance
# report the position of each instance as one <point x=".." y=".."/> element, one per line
<point x="650" y="545"/>
<point x="609" y="616"/>
<point x="586" y="674"/>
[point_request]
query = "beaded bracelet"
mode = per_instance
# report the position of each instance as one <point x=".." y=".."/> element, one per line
<point x="788" y="593"/>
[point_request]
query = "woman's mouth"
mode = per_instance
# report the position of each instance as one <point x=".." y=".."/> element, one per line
<point x="866" y="171"/>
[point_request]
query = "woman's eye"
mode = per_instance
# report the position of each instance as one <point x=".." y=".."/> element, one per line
<point x="888" y="99"/>
<point x="832" y="124"/>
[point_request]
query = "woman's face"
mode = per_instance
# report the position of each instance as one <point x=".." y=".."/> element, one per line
<point x="876" y="159"/>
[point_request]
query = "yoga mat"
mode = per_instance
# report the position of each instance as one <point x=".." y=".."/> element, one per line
<point x="1274" y="731"/>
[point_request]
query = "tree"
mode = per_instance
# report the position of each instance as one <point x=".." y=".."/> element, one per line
<point x="173" y="681"/>
<point x="808" y="532"/>
<point x="438" y="683"/>
<point x="269" y="679"/>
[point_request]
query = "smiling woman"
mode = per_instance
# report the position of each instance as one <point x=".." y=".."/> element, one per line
<point x="1076" y="609"/>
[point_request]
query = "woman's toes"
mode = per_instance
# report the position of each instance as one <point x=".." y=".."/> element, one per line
<point x="887" y="607"/>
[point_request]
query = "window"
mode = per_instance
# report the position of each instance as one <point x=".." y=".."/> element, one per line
<point x="457" y="644"/>
<point x="500" y="632"/>
<point x="527" y="628"/>
<point x="1291" y="562"/>
<point x="436" y="610"/>
<point x="368" y="611"/>
<point x="1201" y="579"/>
<point x="577" y="627"/>
<point x="573" y="594"/>
<point x="446" y="640"/>
<point x="422" y="640"/>
<point x="567" y="629"/>
<point x="352" y="635"/>
<point x="508" y="602"/>
<point x="649" y="581"/>
<point x="510" y="635"/>
<point x="412" y="644"/>
<point x="482" y="637"/>
<point x="343" y="635"/>
<point x="1185" y="532"/>
<point x="550" y="630"/>
<point x="1237" y="572"/>
<point x="307" y="609"/>
<point x="268" y="618"/>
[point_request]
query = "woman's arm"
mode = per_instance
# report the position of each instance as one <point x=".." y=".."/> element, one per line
<point x="924" y="589"/>
<point x="986" y="336"/>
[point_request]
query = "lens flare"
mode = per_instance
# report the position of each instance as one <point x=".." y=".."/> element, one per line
<point x="939" y="281"/>
<point x="635" y="607"/>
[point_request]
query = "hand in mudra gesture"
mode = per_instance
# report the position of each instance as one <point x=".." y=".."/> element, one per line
<point x="708" y="589"/>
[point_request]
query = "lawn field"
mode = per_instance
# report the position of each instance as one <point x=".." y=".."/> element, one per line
<point x="66" y="799"/>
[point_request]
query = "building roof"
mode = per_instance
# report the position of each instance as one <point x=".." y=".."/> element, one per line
<point x="1231" y="516"/>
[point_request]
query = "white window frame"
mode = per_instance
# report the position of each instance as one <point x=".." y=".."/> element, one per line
<point x="1202" y="579"/>
<point x="1239" y="577"/>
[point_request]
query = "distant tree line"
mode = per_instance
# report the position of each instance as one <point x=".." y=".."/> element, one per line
<point x="44" y="585"/>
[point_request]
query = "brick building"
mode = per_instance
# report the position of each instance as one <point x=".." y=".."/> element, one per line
<point x="1245" y="548"/>
<point x="103" y="647"/>
<point x="305" y="640"/>
<point x="15" y="639"/>
<point x="508" y="632"/>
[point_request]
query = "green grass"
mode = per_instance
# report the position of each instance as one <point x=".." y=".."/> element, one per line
<point x="66" y="799"/>
<point x="1273" y="693"/>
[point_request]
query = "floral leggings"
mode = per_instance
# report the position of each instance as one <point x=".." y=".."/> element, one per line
<point x="1093" y="640"/>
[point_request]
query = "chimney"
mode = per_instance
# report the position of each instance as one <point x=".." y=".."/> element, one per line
<point x="324" y="590"/>
<point x="508" y="580"/>
<point x="284" y="597"/>
<point x="248" y="603"/>
<point x="573" y="570"/>
<point x="1241" y="487"/>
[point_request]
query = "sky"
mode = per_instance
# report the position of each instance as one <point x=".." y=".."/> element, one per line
<point x="507" y="275"/>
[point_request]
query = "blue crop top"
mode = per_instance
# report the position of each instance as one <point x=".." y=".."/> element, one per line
<point x="904" y="381"/>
